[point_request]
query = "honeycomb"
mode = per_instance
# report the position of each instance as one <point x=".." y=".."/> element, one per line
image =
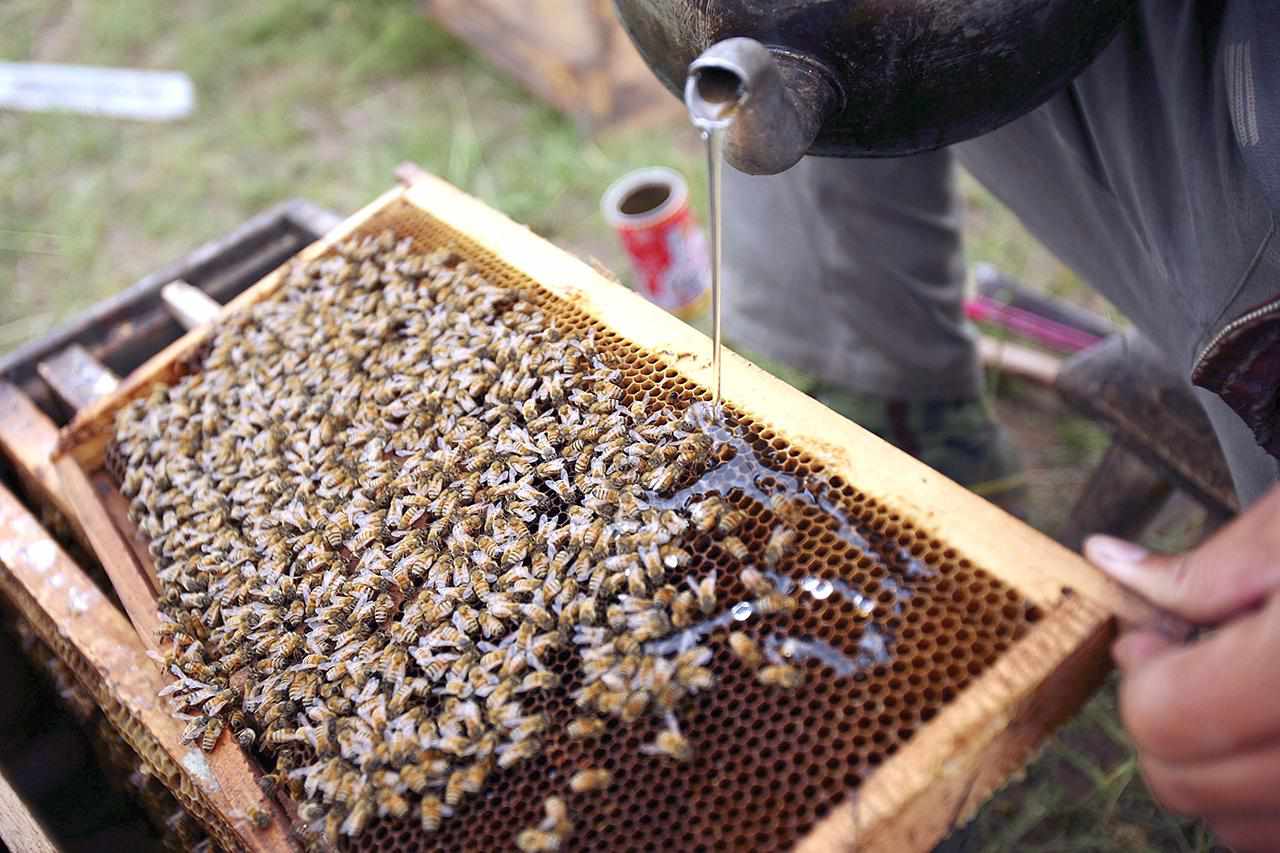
<point x="890" y="625"/>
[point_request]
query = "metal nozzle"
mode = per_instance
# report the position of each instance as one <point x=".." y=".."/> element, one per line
<point x="772" y="103"/>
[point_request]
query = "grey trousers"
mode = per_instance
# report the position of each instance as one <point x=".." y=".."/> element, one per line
<point x="1149" y="176"/>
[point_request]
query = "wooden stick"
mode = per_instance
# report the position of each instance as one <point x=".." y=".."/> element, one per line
<point x="27" y="440"/>
<point x="76" y="377"/>
<point x="18" y="826"/>
<point x="190" y="306"/>
<point x="1019" y="360"/>
<point x="131" y="582"/>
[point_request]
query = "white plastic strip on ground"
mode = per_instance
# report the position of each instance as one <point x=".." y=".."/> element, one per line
<point x="115" y="92"/>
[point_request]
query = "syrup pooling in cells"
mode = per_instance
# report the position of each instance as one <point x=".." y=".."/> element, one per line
<point x="419" y="539"/>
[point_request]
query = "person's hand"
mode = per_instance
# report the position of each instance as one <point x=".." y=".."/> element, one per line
<point x="1205" y="716"/>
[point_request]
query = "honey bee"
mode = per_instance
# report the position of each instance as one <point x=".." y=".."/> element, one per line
<point x="730" y="520"/>
<point x="538" y="615"/>
<point x="454" y="790"/>
<point x="466" y="620"/>
<point x="781" y="541"/>
<point x="695" y="677"/>
<point x="736" y="548"/>
<point x="539" y="680"/>
<point x="383" y="608"/>
<point x="517" y="751"/>
<point x="684" y="609"/>
<point x="775" y="602"/>
<point x="756" y="582"/>
<point x="389" y="803"/>
<point x="557" y="815"/>
<point x="435" y="667"/>
<point x="194" y="729"/>
<point x="671" y="743"/>
<point x="605" y="494"/>
<point x="431" y="811"/>
<point x="627" y="644"/>
<point x="636" y="580"/>
<point x="706" y="514"/>
<point x="695" y="448"/>
<point x="635" y="705"/>
<point x="705" y="590"/>
<point x="780" y="675"/>
<point x="394" y="662"/>
<point x="674" y="557"/>
<point x="332" y="826"/>
<point x="591" y="779"/>
<point x="502" y="606"/>
<point x="209" y="739"/>
<point x="586" y="727"/>
<point x="534" y="840"/>
<point x="357" y="817"/>
<point x="746" y="650"/>
<point x="661" y="479"/>
<point x="215" y="705"/>
<point x="474" y="776"/>
<point x="528" y="727"/>
<point x="490" y="625"/>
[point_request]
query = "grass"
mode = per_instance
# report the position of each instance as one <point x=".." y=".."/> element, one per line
<point x="1084" y="793"/>
<point x="299" y="97"/>
<point x="322" y="99"/>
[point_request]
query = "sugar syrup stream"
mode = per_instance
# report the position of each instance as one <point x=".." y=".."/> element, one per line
<point x="713" y="100"/>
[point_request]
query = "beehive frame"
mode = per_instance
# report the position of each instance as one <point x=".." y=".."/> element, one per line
<point x="952" y="763"/>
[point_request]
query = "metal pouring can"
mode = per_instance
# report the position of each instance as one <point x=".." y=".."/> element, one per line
<point x="649" y="208"/>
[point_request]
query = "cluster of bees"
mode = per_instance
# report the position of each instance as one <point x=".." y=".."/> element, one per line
<point x="390" y="495"/>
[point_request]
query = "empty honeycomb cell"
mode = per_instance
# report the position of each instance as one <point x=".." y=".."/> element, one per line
<point x="767" y="762"/>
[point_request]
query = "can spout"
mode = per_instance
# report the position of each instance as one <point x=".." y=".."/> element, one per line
<point x="770" y="103"/>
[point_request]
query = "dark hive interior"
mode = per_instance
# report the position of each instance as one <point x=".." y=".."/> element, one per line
<point x="885" y="623"/>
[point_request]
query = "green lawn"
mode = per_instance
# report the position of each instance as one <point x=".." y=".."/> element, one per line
<point x="322" y="99"/>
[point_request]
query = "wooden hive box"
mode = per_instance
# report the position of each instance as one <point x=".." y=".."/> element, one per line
<point x="970" y="694"/>
<point x="571" y="53"/>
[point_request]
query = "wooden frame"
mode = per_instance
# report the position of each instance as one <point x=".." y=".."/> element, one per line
<point x="954" y="762"/>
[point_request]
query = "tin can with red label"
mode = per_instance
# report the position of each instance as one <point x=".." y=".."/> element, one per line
<point x="649" y="208"/>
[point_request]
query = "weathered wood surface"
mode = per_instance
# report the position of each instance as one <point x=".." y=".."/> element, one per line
<point x="1123" y="495"/>
<point x="571" y="53"/>
<point x="1124" y="383"/>
<point x="110" y="658"/>
<point x="190" y="306"/>
<point x="76" y="377"/>
<point x="19" y="829"/>
<point x="1019" y="360"/>
<point x="27" y="438"/>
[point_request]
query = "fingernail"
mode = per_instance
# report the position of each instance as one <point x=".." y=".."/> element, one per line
<point x="1135" y="648"/>
<point x="1118" y="558"/>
